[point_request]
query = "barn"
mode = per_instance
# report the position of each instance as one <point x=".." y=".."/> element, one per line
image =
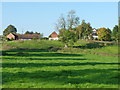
<point x="12" y="36"/>
<point x="54" y="36"/>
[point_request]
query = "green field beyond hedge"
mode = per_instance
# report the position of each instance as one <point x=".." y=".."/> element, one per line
<point x="47" y="64"/>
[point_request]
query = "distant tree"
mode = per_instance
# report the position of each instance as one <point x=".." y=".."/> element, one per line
<point x="80" y="30"/>
<point x="67" y="23"/>
<point x="84" y="30"/>
<point x="37" y="33"/>
<point x="115" y="33"/>
<point x="9" y="29"/>
<point x="41" y="35"/>
<point x="67" y="37"/>
<point x="61" y="23"/>
<point x="104" y="34"/>
<point x="45" y="38"/>
<point x="31" y="32"/>
<point x="27" y="32"/>
<point x="66" y="26"/>
<point x="2" y="38"/>
<point x="72" y="20"/>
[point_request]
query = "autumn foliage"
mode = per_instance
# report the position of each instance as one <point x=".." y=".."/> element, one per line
<point x="104" y="34"/>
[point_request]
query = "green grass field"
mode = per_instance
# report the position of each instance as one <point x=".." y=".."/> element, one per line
<point x="62" y="69"/>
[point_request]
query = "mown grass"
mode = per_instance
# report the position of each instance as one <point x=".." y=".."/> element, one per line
<point x="72" y="68"/>
<point x="106" y="50"/>
<point x="58" y="70"/>
<point x="34" y="44"/>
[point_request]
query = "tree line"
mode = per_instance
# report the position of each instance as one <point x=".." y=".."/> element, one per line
<point x="13" y="29"/>
<point x="70" y="29"/>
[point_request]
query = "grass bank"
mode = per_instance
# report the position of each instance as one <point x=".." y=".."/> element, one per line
<point x="33" y="44"/>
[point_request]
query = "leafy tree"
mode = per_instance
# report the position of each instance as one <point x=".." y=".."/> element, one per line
<point x="29" y="32"/>
<point x="84" y="30"/>
<point x="104" y="34"/>
<point x="80" y="29"/>
<point x="66" y="25"/>
<point x="115" y="32"/>
<point x="37" y="33"/>
<point x="67" y="36"/>
<point x="9" y="29"/>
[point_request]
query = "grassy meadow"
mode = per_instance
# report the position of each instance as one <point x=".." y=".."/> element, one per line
<point x="47" y="64"/>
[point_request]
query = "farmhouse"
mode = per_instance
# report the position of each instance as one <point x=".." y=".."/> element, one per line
<point x="12" y="36"/>
<point x="94" y="34"/>
<point x="53" y="36"/>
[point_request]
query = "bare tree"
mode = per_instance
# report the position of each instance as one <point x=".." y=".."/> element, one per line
<point x="68" y="22"/>
<point x="72" y="19"/>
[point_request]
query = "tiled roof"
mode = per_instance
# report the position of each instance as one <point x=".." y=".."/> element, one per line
<point x="28" y="36"/>
<point x="53" y="35"/>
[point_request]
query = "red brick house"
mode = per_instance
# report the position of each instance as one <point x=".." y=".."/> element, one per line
<point x="22" y="36"/>
<point x="53" y="36"/>
<point x="11" y="36"/>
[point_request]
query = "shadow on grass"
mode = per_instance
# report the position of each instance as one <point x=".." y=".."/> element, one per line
<point x="94" y="76"/>
<point x="28" y="53"/>
<point x="76" y="77"/>
<point x="22" y="65"/>
<point x="52" y="58"/>
<point x="90" y="46"/>
<point x="26" y="50"/>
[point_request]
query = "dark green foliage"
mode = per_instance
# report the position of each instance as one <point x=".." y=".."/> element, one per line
<point x="28" y="32"/>
<point x="45" y="38"/>
<point x="115" y="32"/>
<point x="2" y="38"/>
<point x="9" y="29"/>
<point x="84" y="30"/>
<point x="68" y="36"/>
<point x="31" y="32"/>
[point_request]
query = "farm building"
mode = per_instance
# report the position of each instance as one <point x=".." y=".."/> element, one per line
<point x="54" y="36"/>
<point x="22" y="36"/>
<point x="94" y="34"/>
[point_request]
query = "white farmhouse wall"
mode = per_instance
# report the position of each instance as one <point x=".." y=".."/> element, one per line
<point x="95" y="37"/>
<point x="54" y="38"/>
<point x="25" y="39"/>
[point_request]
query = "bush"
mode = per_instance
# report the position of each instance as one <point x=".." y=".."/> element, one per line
<point x="54" y="49"/>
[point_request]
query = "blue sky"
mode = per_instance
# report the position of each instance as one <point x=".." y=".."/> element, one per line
<point x="42" y="16"/>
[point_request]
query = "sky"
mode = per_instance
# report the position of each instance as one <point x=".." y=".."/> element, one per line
<point x="119" y="9"/>
<point x="42" y="16"/>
